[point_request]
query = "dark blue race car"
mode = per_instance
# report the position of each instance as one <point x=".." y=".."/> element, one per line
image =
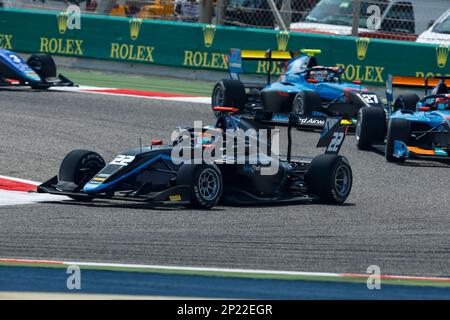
<point x="305" y="88"/>
<point x="38" y="72"/>
<point x="154" y="175"/>
<point x="413" y="128"/>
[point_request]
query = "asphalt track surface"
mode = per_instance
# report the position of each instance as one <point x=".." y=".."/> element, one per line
<point x="397" y="216"/>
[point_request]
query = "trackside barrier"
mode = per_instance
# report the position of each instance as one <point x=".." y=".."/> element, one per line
<point x="205" y="46"/>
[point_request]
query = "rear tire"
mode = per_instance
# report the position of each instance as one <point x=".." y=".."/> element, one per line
<point x="306" y="102"/>
<point x="398" y="129"/>
<point x="43" y="64"/>
<point x="78" y="166"/>
<point x="371" y="127"/>
<point x="407" y="101"/>
<point x="330" y="177"/>
<point x="206" y="184"/>
<point x="228" y="93"/>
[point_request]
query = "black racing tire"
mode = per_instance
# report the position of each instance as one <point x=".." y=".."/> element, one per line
<point x="398" y="129"/>
<point x="228" y="93"/>
<point x="43" y="64"/>
<point x="371" y="127"/>
<point x="407" y="101"/>
<point x="206" y="184"/>
<point x="78" y="166"/>
<point x="306" y="102"/>
<point x="330" y="178"/>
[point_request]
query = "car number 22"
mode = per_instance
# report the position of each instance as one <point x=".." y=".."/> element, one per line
<point x="122" y="160"/>
<point x="336" y="142"/>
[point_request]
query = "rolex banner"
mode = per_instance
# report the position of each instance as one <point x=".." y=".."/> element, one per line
<point x="200" y="46"/>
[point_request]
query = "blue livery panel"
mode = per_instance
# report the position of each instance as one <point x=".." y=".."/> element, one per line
<point x="13" y="66"/>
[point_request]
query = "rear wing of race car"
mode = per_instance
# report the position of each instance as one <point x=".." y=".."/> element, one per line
<point x="237" y="56"/>
<point x="334" y="129"/>
<point x="420" y="82"/>
<point x="331" y="138"/>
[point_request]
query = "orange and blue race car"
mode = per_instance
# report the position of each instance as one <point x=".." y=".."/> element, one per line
<point x="414" y="128"/>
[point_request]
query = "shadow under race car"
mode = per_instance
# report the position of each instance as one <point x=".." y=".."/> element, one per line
<point x="312" y="91"/>
<point x="152" y="175"/>
<point x="416" y="128"/>
<point x="38" y="72"/>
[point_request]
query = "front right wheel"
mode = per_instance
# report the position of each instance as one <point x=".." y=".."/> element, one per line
<point x="80" y="166"/>
<point x="306" y="102"/>
<point x="406" y="101"/>
<point x="229" y="94"/>
<point x="330" y="178"/>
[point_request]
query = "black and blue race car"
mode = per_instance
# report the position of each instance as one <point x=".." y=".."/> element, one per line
<point x="305" y="88"/>
<point x="155" y="176"/>
<point x="413" y="127"/>
<point x="38" y="72"/>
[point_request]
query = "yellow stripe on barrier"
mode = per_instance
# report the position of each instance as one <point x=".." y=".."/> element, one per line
<point x="262" y="55"/>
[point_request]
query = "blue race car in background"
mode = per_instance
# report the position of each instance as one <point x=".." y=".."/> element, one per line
<point x="416" y="128"/>
<point x="38" y="72"/>
<point x="305" y="88"/>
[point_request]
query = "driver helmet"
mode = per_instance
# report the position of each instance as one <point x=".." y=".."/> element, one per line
<point x="319" y="75"/>
<point x="442" y="103"/>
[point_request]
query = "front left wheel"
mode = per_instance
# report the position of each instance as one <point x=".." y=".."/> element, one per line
<point x="43" y="64"/>
<point x="206" y="184"/>
<point x="330" y="178"/>
<point x="399" y="130"/>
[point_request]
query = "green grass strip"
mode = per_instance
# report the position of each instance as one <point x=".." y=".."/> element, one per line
<point x="138" y="82"/>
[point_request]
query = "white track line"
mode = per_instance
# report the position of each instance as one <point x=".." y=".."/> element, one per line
<point x="87" y="89"/>
<point x="198" y="269"/>
<point x="13" y="198"/>
<point x="210" y="270"/>
<point x="200" y="100"/>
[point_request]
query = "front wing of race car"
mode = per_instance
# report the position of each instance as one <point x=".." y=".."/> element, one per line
<point x="176" y="195"/>
<point x="60" y="81"/>
<point x="403" y="151"/>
